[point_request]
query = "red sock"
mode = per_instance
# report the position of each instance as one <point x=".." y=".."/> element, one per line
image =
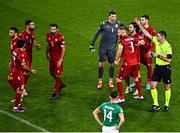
<point x="61" y="82"/>
<point x="138" y="86"/>
<point x="26" y="77"/>
<point x="127" y="81"/>
<point x="57" y="85"/>
<point x="17" y="99"/>
<point x="120" y="89"/>
<point x="13" y="84"/>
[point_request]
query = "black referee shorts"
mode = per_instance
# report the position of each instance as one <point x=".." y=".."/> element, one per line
<point x="162" y="72"/>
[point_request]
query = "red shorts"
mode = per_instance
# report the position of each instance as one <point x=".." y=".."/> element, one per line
<point x="54" y="70"/>
<point x="126" y="71"/>
<point x="144" y="59"/>
<point x="17" y="78"/>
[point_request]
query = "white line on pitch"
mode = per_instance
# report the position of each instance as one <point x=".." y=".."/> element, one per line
<point x="24" y="121"/>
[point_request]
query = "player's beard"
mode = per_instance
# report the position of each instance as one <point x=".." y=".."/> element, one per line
<point x="31" y="29"/>
<point x="53" y="33"/>
<point x="12" y="37"/>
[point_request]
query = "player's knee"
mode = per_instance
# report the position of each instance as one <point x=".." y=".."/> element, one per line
<point x="19" y="90"/>
<point x="101" y="66"/>
<point x="118" y="80"/>
<point x="58" y="75"/>
<point x="136" y="79"/>
<point x="167" y="87"/>
<point x="153" y="85"/>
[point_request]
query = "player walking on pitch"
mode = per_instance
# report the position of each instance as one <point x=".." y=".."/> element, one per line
<point x="19" y="67"/>
<point x="55" y="56"/>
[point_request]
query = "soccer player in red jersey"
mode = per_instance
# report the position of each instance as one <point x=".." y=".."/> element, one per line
<point x="127" y="50"/>
<point x="133" y="28"/>
<point x="19" y="66"/>
<point x="13" y="34"/>
<point x="28" y="36"/>
<point x="55" y="55"/>
<point x="146" y="49"/>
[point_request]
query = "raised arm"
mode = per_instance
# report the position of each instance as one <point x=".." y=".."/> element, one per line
<point x="146" y="33"/>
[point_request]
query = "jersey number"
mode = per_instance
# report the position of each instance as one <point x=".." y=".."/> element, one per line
<point x="132" y="47"/>
<point x="108" y="115"/>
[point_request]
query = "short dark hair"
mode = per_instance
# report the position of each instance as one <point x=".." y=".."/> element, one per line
<point x="135" y="26"/>
<point x="122" y="27"/>
<point x="145" y="16"/>
<point x="163" y="33"/>
<point x="27" y="22"/>
<point x="114" y="94"/>
<point x="112" y="12"/>
<point x="15" y="29"/>
<point x="54" y="25"/>
<point x="20" y="43"/>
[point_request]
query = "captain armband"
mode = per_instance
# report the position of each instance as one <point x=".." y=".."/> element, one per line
<point x="120" y="46"/>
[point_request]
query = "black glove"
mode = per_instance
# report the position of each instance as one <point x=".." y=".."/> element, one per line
<point x="91" y="48"/>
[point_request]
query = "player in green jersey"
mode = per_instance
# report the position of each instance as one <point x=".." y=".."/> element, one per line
<point x="162" y="70"/>
<point x="113" y="115"/>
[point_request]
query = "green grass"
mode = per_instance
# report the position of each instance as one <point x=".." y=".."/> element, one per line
<point x="78" y="21"/>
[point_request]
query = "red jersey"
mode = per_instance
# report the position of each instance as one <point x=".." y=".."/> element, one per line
<point x="138" y="38"/>
<point x="13" y="44"/>
<point x="29" y="39"/>
<point x="130" y="50"/>
<point x="55" y="43"/>
<point x="147" y="46"/>
<point x="18" y="60"/>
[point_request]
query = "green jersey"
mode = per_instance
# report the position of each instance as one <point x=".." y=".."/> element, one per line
<point x="111" y="113"/>
<point x="162" y="49"/>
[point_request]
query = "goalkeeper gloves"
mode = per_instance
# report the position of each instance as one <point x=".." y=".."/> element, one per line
<point x="91" y="48"/>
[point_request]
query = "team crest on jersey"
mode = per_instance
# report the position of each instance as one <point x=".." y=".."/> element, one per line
<point x="116" y="25"/>
<point x="107" y="26"/>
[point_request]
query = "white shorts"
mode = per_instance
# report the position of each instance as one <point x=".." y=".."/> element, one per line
<point x="112" y="129"/>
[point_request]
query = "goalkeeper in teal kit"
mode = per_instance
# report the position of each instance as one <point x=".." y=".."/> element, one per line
<point x="113" y="115"/>
<point x="108" y="30"/>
